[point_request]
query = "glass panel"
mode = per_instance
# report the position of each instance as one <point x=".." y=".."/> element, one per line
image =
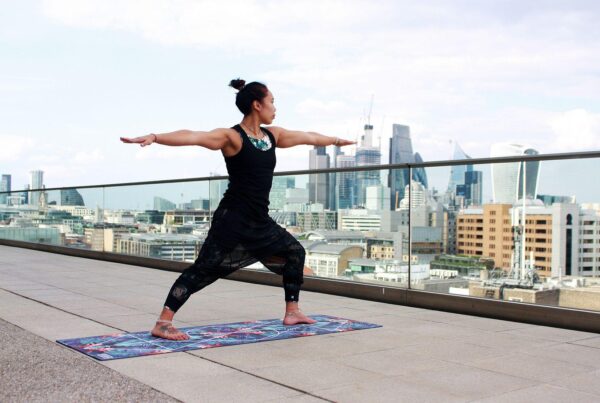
<point x="543" y="248"/>
<point x="58" y="217"/>
<point x="349" y="229"/>
<point x="165" y="221"/>
<point x="475" y="236"/>
<point x="435" y="197"/>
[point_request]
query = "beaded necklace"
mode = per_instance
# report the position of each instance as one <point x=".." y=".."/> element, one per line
<point x="262" y="144"/>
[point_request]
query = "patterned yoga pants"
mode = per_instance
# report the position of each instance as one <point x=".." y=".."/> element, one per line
<point x="214" y="262"/>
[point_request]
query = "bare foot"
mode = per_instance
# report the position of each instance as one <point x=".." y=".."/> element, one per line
<point x="296" y="318"/>
<point x="165" y="330"/>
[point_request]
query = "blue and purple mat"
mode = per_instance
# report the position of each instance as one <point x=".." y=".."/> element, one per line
<point x="127" y="345"/>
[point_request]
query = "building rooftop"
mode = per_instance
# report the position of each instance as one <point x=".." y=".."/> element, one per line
<point x="418" y="354"/>
<point x="328" y="248"/>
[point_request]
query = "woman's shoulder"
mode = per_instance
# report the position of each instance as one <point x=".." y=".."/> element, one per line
<point x="275" y="131"/>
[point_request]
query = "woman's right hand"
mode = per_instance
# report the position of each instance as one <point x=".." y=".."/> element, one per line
<point x="142" y="140"/>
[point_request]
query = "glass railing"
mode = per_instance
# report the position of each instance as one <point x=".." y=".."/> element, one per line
<point x="523" y="229"/>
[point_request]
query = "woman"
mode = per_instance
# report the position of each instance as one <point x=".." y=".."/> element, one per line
<point x="241" y="231"/>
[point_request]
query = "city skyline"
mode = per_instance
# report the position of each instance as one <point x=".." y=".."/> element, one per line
<point x="474" y="73"/>
<point x="479" y="176"/>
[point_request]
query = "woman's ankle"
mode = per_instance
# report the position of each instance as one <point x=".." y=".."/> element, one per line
<point x="166" y="314"/>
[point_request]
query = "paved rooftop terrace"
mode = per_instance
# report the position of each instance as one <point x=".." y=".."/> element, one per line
<point x="418" y="355"/>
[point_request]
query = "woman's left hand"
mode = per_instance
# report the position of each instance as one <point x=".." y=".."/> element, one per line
<point x="343" y="142"/>
<point x="142" y="140"/>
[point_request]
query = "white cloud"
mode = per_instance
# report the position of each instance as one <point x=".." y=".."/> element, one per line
<point x="312" y="106"/>
<point x="161" y="153"/>
<point x="88" y="157"/>
<point x="13" y="148"/>
<point x="235" y="24"/>
<point x="476" y="73"/>
<point x="576" y="130"/>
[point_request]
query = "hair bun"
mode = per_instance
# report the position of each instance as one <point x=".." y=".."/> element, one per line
<point x="238" y="84"/>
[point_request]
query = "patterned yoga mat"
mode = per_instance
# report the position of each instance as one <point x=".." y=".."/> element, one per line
<point x="127" y="345"/>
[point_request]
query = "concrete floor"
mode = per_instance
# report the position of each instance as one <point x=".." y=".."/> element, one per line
<point x="418" y="355"/>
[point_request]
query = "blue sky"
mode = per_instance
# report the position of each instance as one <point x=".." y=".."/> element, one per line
<point x="77" y="74"/>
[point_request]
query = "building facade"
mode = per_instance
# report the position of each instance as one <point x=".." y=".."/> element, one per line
<point x="510" y="178"/>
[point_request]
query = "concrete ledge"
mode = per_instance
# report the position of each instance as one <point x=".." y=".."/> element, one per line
<point x="575" y="319"/>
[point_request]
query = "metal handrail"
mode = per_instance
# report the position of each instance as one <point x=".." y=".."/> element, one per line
<point x="430" y="164"/>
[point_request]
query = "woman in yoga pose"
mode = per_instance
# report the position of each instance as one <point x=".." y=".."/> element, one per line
<point x="241" y="231"/>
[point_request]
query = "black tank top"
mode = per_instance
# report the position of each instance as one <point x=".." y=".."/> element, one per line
<point x="250" y="177"/>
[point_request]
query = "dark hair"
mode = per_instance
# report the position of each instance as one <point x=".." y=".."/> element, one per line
<point x="248" y="93"/>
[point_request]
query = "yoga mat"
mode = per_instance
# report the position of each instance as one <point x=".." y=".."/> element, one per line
<point x="127" y="345"/>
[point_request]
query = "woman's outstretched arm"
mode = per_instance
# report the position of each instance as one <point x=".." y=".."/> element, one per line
<point x="290" y="138"/>
<point x="215" y="139"/>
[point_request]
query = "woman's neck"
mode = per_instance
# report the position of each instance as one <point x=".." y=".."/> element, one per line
<point x="253" y="124"/>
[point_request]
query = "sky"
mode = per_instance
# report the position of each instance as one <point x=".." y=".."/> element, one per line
<point x="75" y="75"/>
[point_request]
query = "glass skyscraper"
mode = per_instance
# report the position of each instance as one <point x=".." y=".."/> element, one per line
<point x="457" y="172"/>
<point x="401" y="152"/>
<point x="318" y="184"/>
<point x="5" y="186"/>
<point x="345" y="196"/>
<point x="366" y="155"/>
<point x="36" y="182"/>
<point x="508" y="177"/>
<point x="71" y="197"/>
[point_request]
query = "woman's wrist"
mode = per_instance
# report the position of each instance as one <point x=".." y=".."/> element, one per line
<point x="336" y="141"/>
<point x="155" y="140"/>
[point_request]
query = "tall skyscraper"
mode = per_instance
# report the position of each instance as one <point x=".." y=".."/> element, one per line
<point x="508" y="177"/>
<point x="217" y="189"/>
<point x="71" y="197"/>
<point x="401" y="152"/>
<point x="474" y="187"/>
<point x="366" y="154"/>
<point x="278" y="190"/>
<point x="5" y="186"/>
<point x="345" y="196"/>
<point x="318" y="184"/>
<point x="457" y="172"/>
<point x="333" y="178"/>
<point x="36" y="181"/>
<point x="161" y="204"/>
<point x="419" y="173"/>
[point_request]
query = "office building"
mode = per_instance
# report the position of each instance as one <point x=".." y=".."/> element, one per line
<point x="457" y="172"/>
<point x="345" y="189"/>
<point x="36" y="182"/>
<point x="5" y="186"/>
<point x="278" y="190"/>
<point x="366" y="155"/>
<point x="509" y="178"/>
<point x="161" y="204"/>
<point x="333" y="178"/>
<point x="71" y="197"/>
<point x="401" y="152"/>
<point x="318" y="184"/>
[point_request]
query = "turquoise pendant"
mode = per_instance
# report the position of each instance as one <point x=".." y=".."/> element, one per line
<point x="262" y="144"/>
